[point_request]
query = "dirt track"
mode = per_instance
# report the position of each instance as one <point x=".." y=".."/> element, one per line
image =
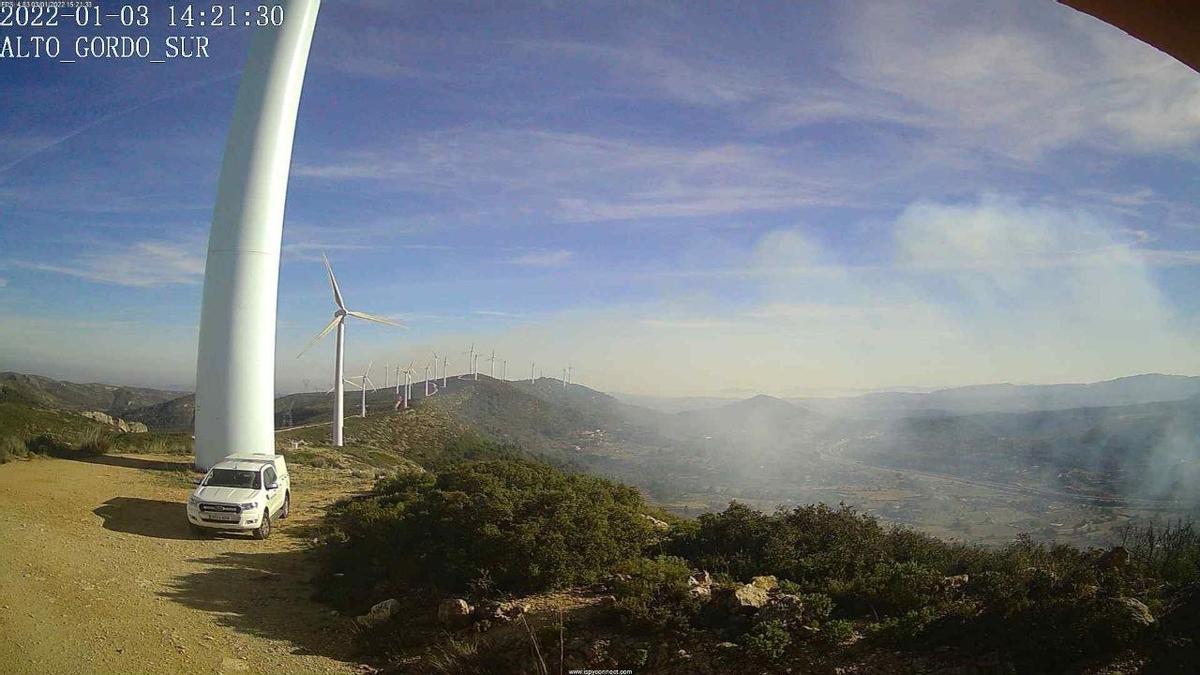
<point x="98" y="573"/>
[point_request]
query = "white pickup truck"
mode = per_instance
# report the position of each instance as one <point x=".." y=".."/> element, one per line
<point x="241" y="492"/>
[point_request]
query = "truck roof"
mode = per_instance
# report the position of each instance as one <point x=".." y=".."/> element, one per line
<point x="240" y="461"/>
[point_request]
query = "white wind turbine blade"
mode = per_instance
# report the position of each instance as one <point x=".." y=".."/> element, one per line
<point x="377" y="319"/>
<point x="325" y="331"/>
<point x="337" y="292"/>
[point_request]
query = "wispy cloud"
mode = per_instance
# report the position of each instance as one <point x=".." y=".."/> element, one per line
<point x="584" y="177"/>
<point x="557" y="258"/>
<point x="311" y="251"/>
<point x="1021" y="86"/>
<point x="3" y="282"/>
<point x="145" y="263"/>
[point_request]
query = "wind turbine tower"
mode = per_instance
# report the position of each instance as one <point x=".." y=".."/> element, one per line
<point x="445" y="368"/>
<point x="471" y="358"/>
<point x="339" y="322"/>
<point x="364" y="380"/>
<point x="408" y="373"/>
<point x="504" y="369"/>
<point x="492" y="367"/>
<point x="427" y="378"/>
<point x="531" y="364"/>
<point x="235" y="364"/>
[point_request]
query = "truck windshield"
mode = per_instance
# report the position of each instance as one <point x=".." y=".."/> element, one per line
<point x="234" y="479"/>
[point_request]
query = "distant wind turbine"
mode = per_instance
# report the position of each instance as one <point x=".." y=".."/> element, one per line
<point x="531" y="364"/>
<point x="492" y="368"/>
<point x="364" y="380"/>
<point x="408" y="373"/>
<point x="471" y="358"/>
<point x="445" y="368"/>
<point x="504" y="369"/>
<point x="339" y="322"/>
<point x="427" y="367"/>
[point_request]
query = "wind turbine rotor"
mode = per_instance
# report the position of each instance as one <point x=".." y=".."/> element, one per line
<point x="324" y="331"/>
<point x="337" y="292"/>
<point x="377" y="319"/>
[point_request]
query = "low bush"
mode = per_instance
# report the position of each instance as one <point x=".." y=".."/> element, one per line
<point x="768" y="640"/>
<point x="526" y="526"/>
<point x="95" y="443"/>
<point x="12" y="447"/>
<point x="653" y="593"/>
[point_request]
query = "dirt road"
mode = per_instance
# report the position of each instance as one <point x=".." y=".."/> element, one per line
<point x="99" y="574"/>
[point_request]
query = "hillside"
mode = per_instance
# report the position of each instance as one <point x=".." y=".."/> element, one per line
<point x="43" y="392"/>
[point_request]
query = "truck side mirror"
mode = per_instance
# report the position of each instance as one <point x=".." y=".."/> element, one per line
<point x="272" y="486"/>
<point x="197" y="481"/>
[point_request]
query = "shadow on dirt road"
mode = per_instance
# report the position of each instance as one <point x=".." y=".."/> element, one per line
<point x="147" y="517"/>
<point x="268" y="595"/>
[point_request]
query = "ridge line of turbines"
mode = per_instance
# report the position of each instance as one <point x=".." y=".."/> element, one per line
<point x="338" y="323"/>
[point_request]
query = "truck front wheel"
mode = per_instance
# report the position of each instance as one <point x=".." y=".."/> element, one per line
<point x="264" y="528"/>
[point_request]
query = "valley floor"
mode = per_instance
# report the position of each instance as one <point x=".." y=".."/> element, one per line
<point x="99" y="573"/>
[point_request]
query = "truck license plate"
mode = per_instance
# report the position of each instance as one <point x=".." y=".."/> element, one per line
<point x="225" y="517"/>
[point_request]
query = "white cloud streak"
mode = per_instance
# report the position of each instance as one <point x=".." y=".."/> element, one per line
<point x="145" y="263"/>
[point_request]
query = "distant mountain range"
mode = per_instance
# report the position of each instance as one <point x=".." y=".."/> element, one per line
<point x="44" y="392"/>
<point x="1133" y="390"/>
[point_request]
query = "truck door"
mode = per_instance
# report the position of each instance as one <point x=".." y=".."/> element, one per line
<point x="274" y="497"/>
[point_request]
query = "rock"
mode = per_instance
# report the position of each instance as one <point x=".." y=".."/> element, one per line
<point x="746" y="598"/>
<point x="380" y="612"/>
<point x="489" y="610"/>
<point x="658" y="524"/>
<point x="700" y="586"/>
<point x="767" y="583"/>
<point x="517" y="609"/>
<point x="116" y="422"/>
<point x="1131" y="612"/>
<point x="786" y="608"/>
<point x="727" y="645"/>
<point x="229" y="664"/>
<point x="454" y="611"/>
<point x="955" y="582"/>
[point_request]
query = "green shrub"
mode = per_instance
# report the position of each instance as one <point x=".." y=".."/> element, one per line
<point x="834" y="633"/>
<point x="95" y="443"/>
<point x="47" y="445"/>
<point x="905" y="630"/>
<point x="653" y="593"/>
<point x="12" y="447"/>
<point x="528" y="527"/>
<point x="768" y="640"/>
<point x="892" y="588"/>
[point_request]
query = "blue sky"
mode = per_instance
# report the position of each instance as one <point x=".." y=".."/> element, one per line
<point x="791" y="198"/>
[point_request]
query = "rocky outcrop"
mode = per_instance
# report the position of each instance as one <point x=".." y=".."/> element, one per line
<point x="744" y="598"/>
<point x="116" y="422"/>
<point x="700" y="586"/>
<point x="454" y="611"/>
<point x="379" y="613"/>
<point x="1128" y="613"/>
<point x="656" y="523"/>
